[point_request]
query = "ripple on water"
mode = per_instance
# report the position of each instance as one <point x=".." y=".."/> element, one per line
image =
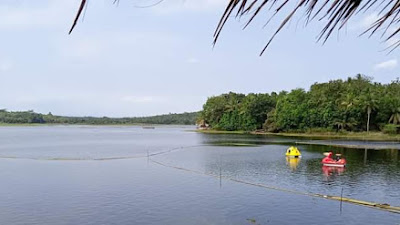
<point x="138" y="191"/>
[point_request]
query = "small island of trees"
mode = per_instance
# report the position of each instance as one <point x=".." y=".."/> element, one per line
<point x="356" y="104"/>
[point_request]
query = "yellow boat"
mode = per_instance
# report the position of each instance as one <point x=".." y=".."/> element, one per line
<point x="293" y="152"/>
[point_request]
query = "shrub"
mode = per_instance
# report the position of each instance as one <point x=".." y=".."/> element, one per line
<point x="391" y="129"/>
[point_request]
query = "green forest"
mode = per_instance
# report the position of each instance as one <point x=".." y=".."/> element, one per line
<point x="30" y="117"/>
<point x="356" y="104"/>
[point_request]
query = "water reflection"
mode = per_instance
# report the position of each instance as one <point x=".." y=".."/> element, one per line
<point x="371" y="175"/>
<point x="365" y="156"/>
<point x="292" y="162"/>
<point x="330" y="171"/>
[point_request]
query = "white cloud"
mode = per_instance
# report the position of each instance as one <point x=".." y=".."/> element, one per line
<point x="390" y="64"/>
<point x="363" y="23"/>
<point x="368" y="20"/>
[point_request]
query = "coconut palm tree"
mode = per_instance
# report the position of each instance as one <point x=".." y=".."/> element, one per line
<point x="345" y="123"/>
<point x="370" y="103"/>
<point x="232" y="105"/>
<point x="348" y="101"/>
<point x="395" y="117"/>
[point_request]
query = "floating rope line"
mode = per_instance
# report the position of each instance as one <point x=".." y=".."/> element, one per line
<point x="103" y="158"/>
<point x="385" y="207"/>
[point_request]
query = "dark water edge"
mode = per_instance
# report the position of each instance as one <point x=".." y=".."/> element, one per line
<point x="305" y="136"/>
<point x="36" y="189"/>
<point x="247" y="138"/>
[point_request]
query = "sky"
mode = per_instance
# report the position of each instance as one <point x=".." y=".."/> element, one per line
<point x="132" y="60"/>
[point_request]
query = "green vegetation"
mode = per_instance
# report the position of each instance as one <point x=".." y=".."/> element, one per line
<point x="370" y="136"/>
<point x="312" y="134"/>
<point x="252" y="220"/>
<point x="221" y="132"/>
<point x="237" y="111"/>
<point x="230" y="144"/>
<point x="30" y="117"/>
<point x="354" y="105"/>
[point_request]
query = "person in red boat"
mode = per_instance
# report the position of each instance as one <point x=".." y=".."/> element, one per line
<point x="328" y="157"/>
<point x="330" y="154"/>
<point x="329" y="161"/>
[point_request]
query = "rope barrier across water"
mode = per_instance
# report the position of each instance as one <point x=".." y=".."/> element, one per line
<point x="385" y="207"/>
<point x="97" y="159"/>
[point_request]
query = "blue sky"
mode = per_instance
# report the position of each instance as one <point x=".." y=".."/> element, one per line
<point x="131" y="61"/>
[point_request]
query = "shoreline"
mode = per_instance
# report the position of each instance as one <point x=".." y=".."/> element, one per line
<point x="85" y="124"/>
<point x="355" y="146"/>
<point x="351" y="136"/>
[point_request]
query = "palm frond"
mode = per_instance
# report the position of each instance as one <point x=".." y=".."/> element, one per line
<point x="78" y="14"/>
<point x="80" y="10"/>
<point x="335" y="13"/>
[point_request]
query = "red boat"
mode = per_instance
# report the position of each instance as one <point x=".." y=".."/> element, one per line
<point x="329" y="161"/>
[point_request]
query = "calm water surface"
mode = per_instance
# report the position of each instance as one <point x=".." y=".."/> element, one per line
<point x="102" y="175"/>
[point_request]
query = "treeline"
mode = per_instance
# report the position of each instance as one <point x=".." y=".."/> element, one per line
<point x="30" y="117"/>
<point x="356" y="104"/>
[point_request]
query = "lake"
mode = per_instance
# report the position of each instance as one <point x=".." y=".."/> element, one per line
<point x="168" y="175"/>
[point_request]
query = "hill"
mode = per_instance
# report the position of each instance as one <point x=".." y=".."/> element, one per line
<point x="31" y="117"/>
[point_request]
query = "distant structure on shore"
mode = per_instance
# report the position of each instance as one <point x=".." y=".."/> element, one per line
<point x="202" y="125"/>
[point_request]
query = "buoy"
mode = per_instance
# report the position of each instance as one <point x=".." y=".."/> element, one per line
<point x="293" y="152"/>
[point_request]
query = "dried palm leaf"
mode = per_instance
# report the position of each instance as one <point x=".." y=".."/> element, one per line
<point x="335" y="13"/>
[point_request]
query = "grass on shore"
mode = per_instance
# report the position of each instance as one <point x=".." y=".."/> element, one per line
<point x="210" y="131"/>
<point x="363" y="136"/>
<point x="371" y="136"/>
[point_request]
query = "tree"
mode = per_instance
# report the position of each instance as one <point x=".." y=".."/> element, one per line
<point x="233" y="101"/>
<point x="395" y="117"/>
<point x="369" y="103"/>
<point x="270" y="122"/>
<point x="348" y="102"/>
<point x="391" y="102"/>
<point x="32" y="117"/>
<point x="213" y="110"/>
<point x="257" y="106"/>
<point x="345" y="123"/>
<point x="292" y="111"/>
<point x="336" y="104"/>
